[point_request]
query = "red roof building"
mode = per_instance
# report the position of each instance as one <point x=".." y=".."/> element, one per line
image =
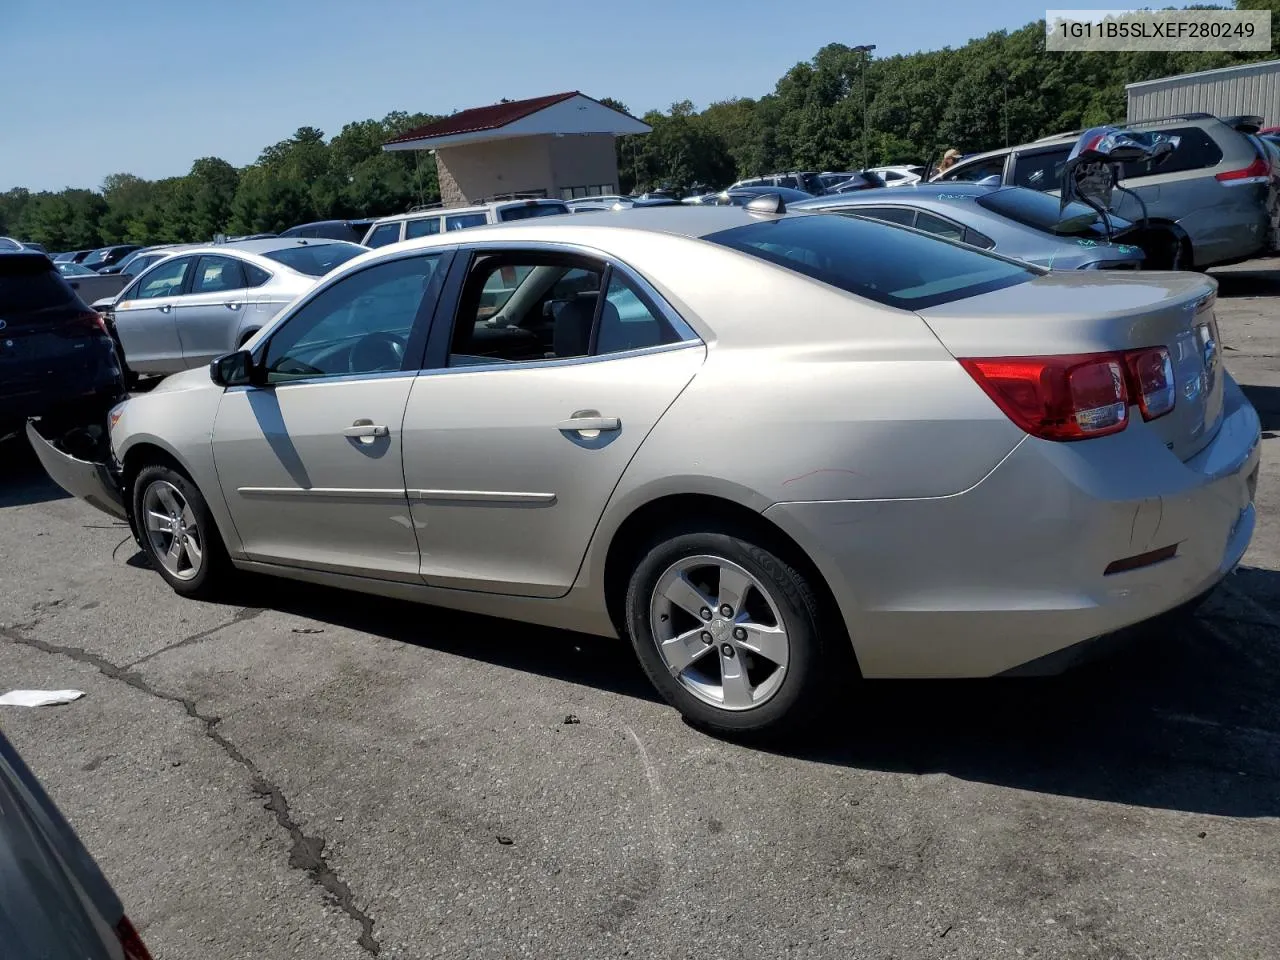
<point x="555" y="146"/>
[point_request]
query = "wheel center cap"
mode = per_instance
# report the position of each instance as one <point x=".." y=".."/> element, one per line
<point x="720" y="629"/>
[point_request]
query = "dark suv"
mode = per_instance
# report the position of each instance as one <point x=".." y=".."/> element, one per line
<point x="57" y="359"/>
<point x="1211" y="202"/>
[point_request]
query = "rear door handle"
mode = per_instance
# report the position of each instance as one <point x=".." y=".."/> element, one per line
<point x="365" y="430"/>
<point x="590" y="423"/>
<point x="165" y="307"/>
<point x="232" y="306"/>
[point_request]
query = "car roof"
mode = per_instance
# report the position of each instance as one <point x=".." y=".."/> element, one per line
<point x="263" y="246"/>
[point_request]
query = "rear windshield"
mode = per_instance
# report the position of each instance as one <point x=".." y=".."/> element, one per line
<point x="881" y="262"/>
<point x="315" y="259"/>
<point x="30" y="283"/>
<point x="1044" y="212"/>
<point x="533" y="210"/>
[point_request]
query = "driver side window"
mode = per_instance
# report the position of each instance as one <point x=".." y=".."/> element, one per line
<point x="361" y="324"/>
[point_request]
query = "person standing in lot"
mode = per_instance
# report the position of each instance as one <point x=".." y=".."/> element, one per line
<point x="949" y="160"/>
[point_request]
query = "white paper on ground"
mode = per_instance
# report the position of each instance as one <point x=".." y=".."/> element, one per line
<point x="39" y="698"/>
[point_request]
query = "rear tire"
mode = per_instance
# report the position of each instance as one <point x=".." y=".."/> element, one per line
<point x="729" y="632"/>
<point x="178" y="533"/>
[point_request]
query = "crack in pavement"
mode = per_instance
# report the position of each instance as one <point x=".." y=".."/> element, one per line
<point x="245" y="615"/>
<point x="307" y="852"/>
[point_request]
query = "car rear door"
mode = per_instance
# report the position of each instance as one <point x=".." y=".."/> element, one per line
<point x="145" y="318"/>
<point x="519" y="429"/>
<point x="209" y="315"/>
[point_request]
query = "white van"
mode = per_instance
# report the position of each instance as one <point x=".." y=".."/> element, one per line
<point x="426" y="221"/>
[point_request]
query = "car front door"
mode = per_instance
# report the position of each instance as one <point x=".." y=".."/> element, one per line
<point x="310" y="460"/>
<point x="209" y="315"/>
<point x="146" y="317"/>
<point x="529" y="411"/>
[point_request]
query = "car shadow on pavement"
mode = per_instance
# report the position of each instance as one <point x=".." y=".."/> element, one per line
<point x="1247" y="283"/>
<point x="1266" y="400"/>
<point x="22" y="479"/>
<point x="1187" y="718"/>
<point x="599" y="662"/>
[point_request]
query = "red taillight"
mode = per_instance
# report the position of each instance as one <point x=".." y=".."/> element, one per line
<point x="90" y="321"/>
<point x="1077" y="396"/>
<point x="134" y="948"/>
<point x="1258" y="170"/>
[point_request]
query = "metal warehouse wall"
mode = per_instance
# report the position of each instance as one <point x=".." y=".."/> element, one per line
<point x="1250" y="89"/>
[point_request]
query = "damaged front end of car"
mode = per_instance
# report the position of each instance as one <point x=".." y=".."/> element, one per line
<point x="78" y="457"/>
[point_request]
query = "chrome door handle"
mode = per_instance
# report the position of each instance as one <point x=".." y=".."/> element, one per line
<point x="590" y="423"/>
<point x="165" y="307"/>
<point x="232" y="306"/>
<point x="366" y="430"/>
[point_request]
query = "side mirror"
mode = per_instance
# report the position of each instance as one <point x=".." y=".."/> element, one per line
<point x="234" y="370"/>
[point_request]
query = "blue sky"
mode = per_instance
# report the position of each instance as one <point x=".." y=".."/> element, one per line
<point x="148" y="86"/>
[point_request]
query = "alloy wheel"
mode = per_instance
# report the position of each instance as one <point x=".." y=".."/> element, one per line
<point x="719" y="633"/>
<point x="172" y="530"/>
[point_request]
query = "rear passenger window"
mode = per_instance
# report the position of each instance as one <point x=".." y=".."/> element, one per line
<point x="1195" y="150"/>
<point x="383" y="234"/>
<point x="938" y="226"/>
<point x="626" y="322"/>
<point x="973" y="172"/>
<point x="888" y="214"/>
<point x="463" y="220"/>
<point x="976" y="239"/>
<point x="255" y="276"/>
<point x="1041" y="171"/>
<point x="426" y="227"/>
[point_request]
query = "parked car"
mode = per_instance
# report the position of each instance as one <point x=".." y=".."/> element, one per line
<point x="741" y="196"/>
<point x="200" y="303"/>
<point x="56" y="901"/>
<point x="89" y="285"/>
<point x="863" y="180"/>
<point x="9" y="245"/>
<point x="57" y="359"/>
<point x="425" y="222"/>
<point x="1011" y="221"/>
<point x="900" y="175"/>
<point x="140" y="259"/>
<point x="807" y="182"/>
<point x="72" y="256"/>
<point x="109" y="256"/>
<point x="1207" y="203"/>
<point x="750" y="441"/>
<point x="352" y="231"/>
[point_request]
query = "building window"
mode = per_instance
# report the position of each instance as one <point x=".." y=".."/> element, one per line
<point x="594" y="190"/>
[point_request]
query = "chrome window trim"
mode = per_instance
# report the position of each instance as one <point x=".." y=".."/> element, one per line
<point x="338" y="378"/>
<point x="559" y="361"/>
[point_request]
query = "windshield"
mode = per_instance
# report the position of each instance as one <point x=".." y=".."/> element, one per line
<point x="28" y="283"/>
<point x="533" y="210"/>
<point x="1042" y="211"/>
<point x="74" y="270"/>
<point x="315" y="259"/>
<point x="885" y="263"/>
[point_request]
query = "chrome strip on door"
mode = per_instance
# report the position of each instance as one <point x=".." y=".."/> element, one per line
<point x="322" y="493"/>
<point x="484" y="496"/>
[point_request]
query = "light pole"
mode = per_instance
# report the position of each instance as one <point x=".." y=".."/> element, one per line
<point x="865" y="49"/>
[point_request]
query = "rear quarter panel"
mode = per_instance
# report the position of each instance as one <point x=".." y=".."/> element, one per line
<point x="807" y="393"/>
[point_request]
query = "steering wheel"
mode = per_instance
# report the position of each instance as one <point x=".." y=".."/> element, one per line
<point x="375" y="352"/>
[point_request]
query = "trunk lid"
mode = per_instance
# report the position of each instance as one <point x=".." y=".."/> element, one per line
<point x="1069" y="313"/>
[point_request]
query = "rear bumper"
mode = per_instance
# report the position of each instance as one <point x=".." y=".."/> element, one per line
<point x="1013" y="569"/>
<point x="96" y="483"/>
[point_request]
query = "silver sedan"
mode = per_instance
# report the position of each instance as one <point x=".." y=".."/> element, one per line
<point x="760" y="445"/>
<point x="202" y="302"/>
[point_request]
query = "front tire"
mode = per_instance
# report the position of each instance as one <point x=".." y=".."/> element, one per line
<point x="178" y="533"/>
<point x="729" y="632"/>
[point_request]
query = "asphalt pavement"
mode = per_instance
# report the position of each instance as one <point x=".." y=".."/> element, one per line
<point x="308" y="773"/>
